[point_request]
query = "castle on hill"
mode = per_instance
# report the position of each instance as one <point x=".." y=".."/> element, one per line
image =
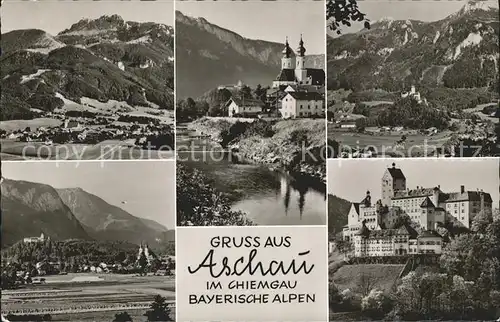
<point x="34" y="240"/>
<point x="415" y="95"/>
<point x="427" y="209"/>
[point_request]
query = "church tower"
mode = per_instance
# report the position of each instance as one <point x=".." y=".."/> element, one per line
<point x="287" y="60"/>
<point x="300" y="68"/>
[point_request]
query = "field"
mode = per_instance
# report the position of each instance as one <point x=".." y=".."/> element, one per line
<point x="15" y="149"/>
<point x="478" y="111"/>
<point x="106" y="150"/>
<point x="416" y="144"/>
<point x="33" y="124"/>
<point x="358" y="277"/>
<point x="90" y="297"/>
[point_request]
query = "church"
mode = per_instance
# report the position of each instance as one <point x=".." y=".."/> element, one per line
<point x="294" y="70"/>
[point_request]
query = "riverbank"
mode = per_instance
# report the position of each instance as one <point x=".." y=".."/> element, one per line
<point x="296" y="146"/>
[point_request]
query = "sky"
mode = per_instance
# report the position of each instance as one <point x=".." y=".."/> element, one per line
<point x="424" y="10"/>
<point x="350" y="179"/>
<point x="46" y="15"/>
<point x="266" y="20"/>
<point x="146" y="187"/>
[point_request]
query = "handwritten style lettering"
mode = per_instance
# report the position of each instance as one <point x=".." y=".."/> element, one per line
<point x="251" y="266"/>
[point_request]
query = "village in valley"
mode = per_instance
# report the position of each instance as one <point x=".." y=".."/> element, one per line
<point x="75" y="251"/>
<point x="67" y="135"/>
<point x="100" y="89"/>
<point x="349" y="119"/>
<point x="94" y="287"/>
<point x="415" y="86"/>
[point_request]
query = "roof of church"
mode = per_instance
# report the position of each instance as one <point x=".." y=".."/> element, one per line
<point x="306" y="96"/>
<point x="287" y="51"/>
<point x="303" y="88"/>
<point x="247" y="101"/>
<point x="356" y="207"/>
<point x="396" y="173"/>
<point x="286" y="75"/>
<point x="427" y="203"/>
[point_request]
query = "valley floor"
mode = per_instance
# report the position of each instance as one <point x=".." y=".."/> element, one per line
<point x="12" y="150"/>
<point x="90" y="297"/>
<point x="387" y="145"/>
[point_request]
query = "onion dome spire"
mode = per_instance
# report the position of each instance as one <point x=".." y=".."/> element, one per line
<point x="287" y="52"/>
<point x="301" y="50"/>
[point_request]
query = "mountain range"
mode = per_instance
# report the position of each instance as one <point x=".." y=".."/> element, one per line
<point x="208" y="56"/>
<point x="29" y="208"/>
<point x="106" y="58"/>
<point x="460" y="51"/>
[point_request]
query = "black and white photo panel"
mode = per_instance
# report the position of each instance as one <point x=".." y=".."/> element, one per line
<point x="250" y="113"/>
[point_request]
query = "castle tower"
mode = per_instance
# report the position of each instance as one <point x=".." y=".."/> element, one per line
<point x="140" y="252"/>
<point x="146" y="251"/>
<point x="287" y="60"/>
<point x="368" y="199"/>
<point x="300" y="68"/>
<point x="393" y="181"/>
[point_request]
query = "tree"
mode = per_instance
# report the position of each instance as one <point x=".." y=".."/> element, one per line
<point x="245" y="92"/>
<point x="155" y="264"/>
<point x="215" y="110"/>
<point x="260" y="93"/>
<point x="345" y="247"/>
<point x="366" y="283"/>
<point x="376" y="304"/>
<point x="122" y="317"/>
<point x="199" y="204"/>
<point x="344" y="12"/>
<point x="160" y="311"/>
<point x="481" y="221"/>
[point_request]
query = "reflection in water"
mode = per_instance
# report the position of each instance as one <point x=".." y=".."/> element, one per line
<point x="268" y="197"/>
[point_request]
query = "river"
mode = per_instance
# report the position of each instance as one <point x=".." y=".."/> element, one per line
<point x="268" y="197"/>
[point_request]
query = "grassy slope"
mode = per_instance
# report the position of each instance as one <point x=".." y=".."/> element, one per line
<point x="382" y="276"/>
<point x="282" y="149"/>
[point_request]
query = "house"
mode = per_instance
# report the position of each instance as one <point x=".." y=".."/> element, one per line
<point x="396" y="242"/>
<point x="302" y="104"/>
<point x="303" y="88"/>
<point x="348" y="124"/>
<point x="71" y="124"/>
<point x="244" y="107"/>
